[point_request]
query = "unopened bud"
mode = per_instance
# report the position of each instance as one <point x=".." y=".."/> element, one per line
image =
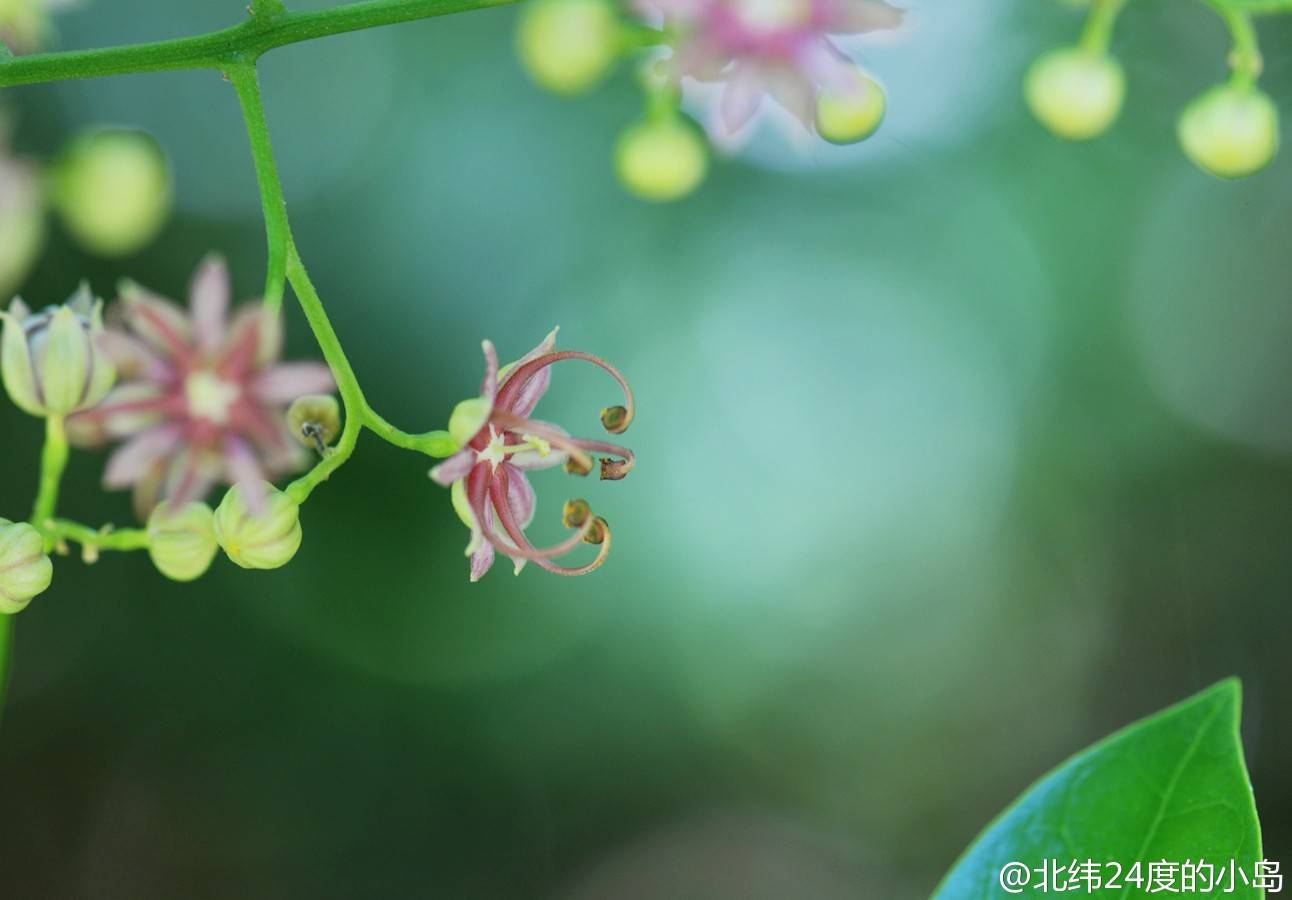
<point x="25" y="570"/>
<point x="315" y="420"/>
<point x="112" y="188"/>
<point x="662" y="158"/>
<point x="51" y="361"/>
<point x="182" y="541"/>
<point x="1230" y="131"/>
<point x="852" y="114"/>
<point x="567" y="46"/>
<point x="266" y="539"/>
<point x="1075" y="93"/>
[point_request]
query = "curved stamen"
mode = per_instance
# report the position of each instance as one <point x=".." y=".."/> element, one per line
<point x="514" y="423"/>
<point x="603" y="550"/>
<point x="611" y="469"/>
<point x="615" y="419"/>
<point x="498" y="493"/>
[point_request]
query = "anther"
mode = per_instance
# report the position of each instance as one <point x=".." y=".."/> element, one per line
<point x="598" y="533"/>
<point x="615" y="419"/>
<point x="576" y="513"/>
<point x="578" y="464"/>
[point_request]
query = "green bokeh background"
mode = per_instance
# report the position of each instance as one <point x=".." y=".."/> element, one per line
<point x="957" y="451"/>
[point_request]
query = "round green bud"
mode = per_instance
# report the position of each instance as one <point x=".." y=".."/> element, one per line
<point x="846" y="117"/>
<point x="52" y="361"/>
<point x="1075" y="93"/>
<point x="315" y="420"/>
<point x="264" y="539"/>
<point x="112" y="189"/>
<point x="1230" y="131"/>
<point x="567" y="46"/>
<point x="25" y="570"/>
<point x="662" y="159"/>
<point x="182" y="541"/>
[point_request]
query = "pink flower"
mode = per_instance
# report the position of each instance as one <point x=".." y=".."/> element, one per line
<point x="501" y="443"/>
<point x="200" y="398"/>
<point x="776" y="48"/>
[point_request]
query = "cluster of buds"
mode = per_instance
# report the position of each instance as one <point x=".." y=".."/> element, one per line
<point x="501" y="443"/>
<point x="1231" y="130"/>
<point x="761" y="53"/>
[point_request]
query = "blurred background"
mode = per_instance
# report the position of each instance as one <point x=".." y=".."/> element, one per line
<point x="958" y="450"/>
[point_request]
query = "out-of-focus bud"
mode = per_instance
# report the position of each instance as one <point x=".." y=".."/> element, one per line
<point x="1075" y="93"/>
<point x="181" y="541"/>
<point x="568" y="46"/>
<point x="662" y="158"/>
<point x="1230" y="131"/>
<point x="51" y="361"/>
<point x="22" y="220"/>
<point x="25" y="570"/>
<point x="112" y="188"/>
<point x="468" y="418"/>
<point x="264" y="540"/>
<point x="846" y="116"/>
<point x="24" y="24"/>
<point x="315" y="420"/>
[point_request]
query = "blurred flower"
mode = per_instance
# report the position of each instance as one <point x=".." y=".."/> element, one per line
<point x="500" y="442"/>
<point x="258" y="526"/>
<point x="112" y="189"/>
<point x="776" y="48"/>
<point x="1231" y="131"/>
<point x="25" y="25"/>
<point x="662" y="158"/>
<point x="54" y="361"/>
<point x="22" y="217"/>
<point x="25" y="570"/>
<point x="181" y="540"/>
<point x="567" y="46"/>
<point x="1076" y="93"/>
<point x="201" y="398"/>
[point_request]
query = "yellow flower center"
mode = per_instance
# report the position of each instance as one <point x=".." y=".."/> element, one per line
<point x="210" y="397"/>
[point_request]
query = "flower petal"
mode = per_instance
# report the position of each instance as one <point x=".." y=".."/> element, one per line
<point x="457" y="466"/>
<point x="537" y="386"/>
<point x="489" y="387"/>
<point x="133" y="459"/>
<point x="742" y="95"/>
<point x="521" y="498"/>
<point x="158" y="321"/>
<point x="286" y="382"/>
<point x="209" y="304"/>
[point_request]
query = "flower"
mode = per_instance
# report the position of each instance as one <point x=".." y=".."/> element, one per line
<point x="25" y="570"/>
<point x="501" y="442"/>
<point x="776" y="48"/>
<point x="201" y="397"/>
<point x="53" y="361"/>
<point x="24" y="24"/>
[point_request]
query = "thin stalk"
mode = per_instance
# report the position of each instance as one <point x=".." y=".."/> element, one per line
<point x="1098" y="33"/>
<point x="53" y="460"/>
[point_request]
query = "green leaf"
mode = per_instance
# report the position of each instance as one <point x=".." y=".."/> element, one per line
<point x="1171" y="787"/>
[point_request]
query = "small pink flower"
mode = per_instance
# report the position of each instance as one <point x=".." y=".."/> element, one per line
<point x="501" y="443"/>
<point x="199" y="398"/>
<point x="776" y="48"/>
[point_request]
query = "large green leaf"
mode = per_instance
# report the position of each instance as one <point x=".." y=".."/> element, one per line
<point x="1171" y="787"/>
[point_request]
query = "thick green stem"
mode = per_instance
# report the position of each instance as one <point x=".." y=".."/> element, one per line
<point x="53" y="460"/>
<point x="216" y="50"/>
<point x="433" y="443"/>
<point x="1098" y="33"/>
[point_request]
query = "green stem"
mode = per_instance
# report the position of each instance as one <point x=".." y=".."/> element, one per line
<point x="6" y="657"/>
<point x="53" y="460"/>
<point x="1098" y="33"/>
<point x="217" y="49"/>
<point x="433" y="443"/>
<point x="1245" y="58"/>
<point x="106" y="538"/>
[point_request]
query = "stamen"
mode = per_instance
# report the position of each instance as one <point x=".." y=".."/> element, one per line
<point x="615" y="419"/>
<point x="509" y="392"/>
<point x="524" y="549"/>
<point x="513" y="422"/>
<point x="611" y="469"/>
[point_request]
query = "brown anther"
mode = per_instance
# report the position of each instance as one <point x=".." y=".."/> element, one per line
<point x="614" y="469"/>
<point x="315" y="421"/>
<point x="576" y="513"/>
<point x="579" y="465"/>
<point x="598" y="533"/>
<point x="615" y="419"/>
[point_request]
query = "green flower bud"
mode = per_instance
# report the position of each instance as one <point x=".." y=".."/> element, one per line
<point x="468" y="418"/>
<point x="264" y="540"/>
<point x="51" y="361"/>
<point x="315" y="420"/>
<point x="1230" y="131"/>
<point x="24" y="24"/>
<point x="845" y="117"/>
<point x="25" y="570"/>
<point x="1075" y="93"/>
<point x="567" y="46"/>
<point x="113" y="190"/>
<point x="182" y="541"/>
<point x="662" y="159"/>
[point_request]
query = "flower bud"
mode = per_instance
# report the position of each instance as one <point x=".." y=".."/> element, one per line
<point x="112" y="188"/>
<point x="1075" y="93"/>
<point x="182" y="541"/>
<point x="468" y="418"/>
<point x="24" y="24"/>
<point x="1230" y="131"/>
<point x="662" y="158"/>
<point x="265" y="540"/>
<point x="22" y="221"/>
<point x="315" y="420"/>
<point x="567" y="46"/>
<point x="25" y="570"/>
<point x="852" y="115"/>
<point x="51" y="361"/>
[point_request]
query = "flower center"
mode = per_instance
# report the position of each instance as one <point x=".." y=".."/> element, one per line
<point x="210" y="397"/>
<point x="495" y="451"/>
<point x="767" y="16"/>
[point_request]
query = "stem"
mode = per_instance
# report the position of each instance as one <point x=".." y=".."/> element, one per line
<point x="6" y="657"/>
<point x="1098" y="33"/>
<point x="1245" y="58"/>
<point x="434" y="443"/>
<point x="105" y="538"/>
<point x="53" y="460"/>
<point x="217" y="49"/>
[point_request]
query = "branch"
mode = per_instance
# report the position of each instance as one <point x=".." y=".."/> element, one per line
<point x="218" y="49"/>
